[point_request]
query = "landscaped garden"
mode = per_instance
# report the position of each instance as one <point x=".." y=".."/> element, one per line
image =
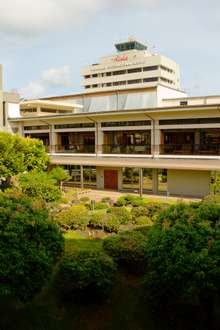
<point x="68" y="262"/>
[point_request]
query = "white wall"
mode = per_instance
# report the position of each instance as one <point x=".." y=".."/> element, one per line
<point x="167" y="93"/>
<point x="188" y="183"/>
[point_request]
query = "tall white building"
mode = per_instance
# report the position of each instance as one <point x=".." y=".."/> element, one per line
<point x="134" y="66"/>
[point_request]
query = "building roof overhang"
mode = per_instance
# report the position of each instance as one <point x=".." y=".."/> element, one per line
<point x="151" y="112"/>
<point x="159" y="163"/>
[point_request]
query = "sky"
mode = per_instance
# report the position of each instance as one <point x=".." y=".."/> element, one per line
<point x="44" y="43"/>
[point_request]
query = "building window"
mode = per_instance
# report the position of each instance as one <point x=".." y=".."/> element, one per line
<point x="135" y="81"/>
<point x="35" y="128"/>
<point x="134" y="70"/>
<point x="150" y="68"/>
<point x="87" y="76"/>
<point x="108" y="73"/>
<point x="94" y="75"/>
<point x="183" y="103"/>
<point x="76" y="125"/>
<point x="115" y="73"/>
<point x="87" y="86"/>
<point x="126" y="123"/>
<point x="29" y="110"/>
<point x="150" y="79"/>
<point x="189" y="121"/>
<point x="4" y="114"/>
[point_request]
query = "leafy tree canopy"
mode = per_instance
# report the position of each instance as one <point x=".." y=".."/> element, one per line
<point x="39" y="185"/>
<point x="30" y="245"/>
<point x="20" y="154"/>
<point x="183" y="252"/>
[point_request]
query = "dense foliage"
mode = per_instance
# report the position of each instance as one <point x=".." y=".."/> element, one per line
<point x="39" y="185"/>
<point x="86" y="274"/>
<point x="30" y="245"/>
<point x="122" y="214"/>
<point x="20" y="154"/>
<point x="183" y="252"/>
<point x="74" y="217"/>
<point x="59" y="174"/>
<point x="128" y="249"/>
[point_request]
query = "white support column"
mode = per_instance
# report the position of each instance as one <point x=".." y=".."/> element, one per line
<point x="98" y="138"/>
<point x="52" y="138"/>
<point x="155" y="181"/>
<point x="141" y="182"/>
<point x="81" y="176"/>
<point x="157" y="138"/>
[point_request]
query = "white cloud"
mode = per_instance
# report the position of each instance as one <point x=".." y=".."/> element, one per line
<point x="33" y="17"/>
<point x="57" y="77"/>
<point x="32" y="90"/>
<point x="51" y="78"/>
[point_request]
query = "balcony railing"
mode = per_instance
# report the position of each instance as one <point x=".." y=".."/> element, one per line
<point x="164" y="149"/>
<point x="190" y="149"/>
<point x="126" y="149"/>
<point x="74" y="148"/>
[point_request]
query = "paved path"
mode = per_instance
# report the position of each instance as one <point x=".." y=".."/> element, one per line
<point x="114" y="195"/>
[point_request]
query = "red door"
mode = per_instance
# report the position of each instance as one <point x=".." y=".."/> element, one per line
<point x="111" y="179"/>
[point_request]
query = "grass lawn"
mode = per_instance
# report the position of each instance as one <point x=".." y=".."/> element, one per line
<point x="77" y="242"/>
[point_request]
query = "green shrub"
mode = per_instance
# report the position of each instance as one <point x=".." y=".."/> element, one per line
<point x="107" y="200"/>
<point x="30" y="246"/>
<point x="130" y="200"/>
<point x="128" y="249"/>
<point x="212" y="199"/>
<point x="100" y="206"/>
<point x="183" y="252"/>
<point x="121" y="213"/>
<point x="139" y="212"/>
<point x="121" y="201"/>
<point x="86" y="274"/>
<point x="96" y="219"/>
<point x="111" y="223"/>
<point x="85" y="199"/>
<point x="74" y="217"/>
<point x="143" y="221"/>
<point x="39" y="185"/>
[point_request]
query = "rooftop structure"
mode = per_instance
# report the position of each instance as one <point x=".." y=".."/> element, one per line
<point x="132" y="67"/>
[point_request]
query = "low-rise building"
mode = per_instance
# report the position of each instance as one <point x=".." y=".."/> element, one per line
<point x="148" y="138"/>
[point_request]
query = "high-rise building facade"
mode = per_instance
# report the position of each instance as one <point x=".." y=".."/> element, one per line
<point x="133" y="66"/>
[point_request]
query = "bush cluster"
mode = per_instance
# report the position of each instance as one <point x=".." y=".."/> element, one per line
<point x="30" y="245"/>
<point x="122" y="214"/>
<point x="86" y="274"/>
<point x="128" y="249"/>
<point x="183" y="252"/>
<point x="74" y="217"/>
<point x="130" y="200"/>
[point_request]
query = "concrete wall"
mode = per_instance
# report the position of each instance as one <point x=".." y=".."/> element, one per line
<point x="100" y="176"/>
<point x="188" y="183"/>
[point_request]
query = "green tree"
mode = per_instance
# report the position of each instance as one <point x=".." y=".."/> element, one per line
<point x="59" y="174"/>
<point x="39" y="185"/>
<point x="20" y="154"/>
<point x="30" y="246"/>
<point x="183" y="253"/>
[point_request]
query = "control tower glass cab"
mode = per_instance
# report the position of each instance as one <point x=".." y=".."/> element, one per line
<point x="131" y="44"/>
